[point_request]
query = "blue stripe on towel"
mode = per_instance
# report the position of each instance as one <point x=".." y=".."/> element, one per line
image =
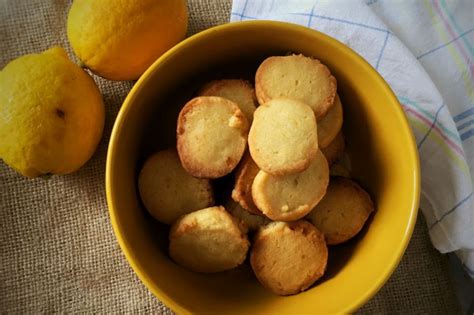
<point x="460" y="203"/>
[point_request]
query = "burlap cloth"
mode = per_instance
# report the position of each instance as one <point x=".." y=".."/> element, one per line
<point x="58" y="252"/>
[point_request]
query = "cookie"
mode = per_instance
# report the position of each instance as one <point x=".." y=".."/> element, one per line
<point x="342" y="212"/>
<point x="283" y="137"/>
<point x="240" y="92"/>
<point x="168" y="191"/>
<point x="208" y="241"/>
<point x="250" y="222"/>
<point x="339" y="169"/>
<point x="296" y="77"/>
<point x="244" y="176"/>
<point x="288" y="257"/>
<point x="330" y="125"/>
<point x="335" y="149"/>
<point x="211" y="135"/>
<point x="291" y="197"/>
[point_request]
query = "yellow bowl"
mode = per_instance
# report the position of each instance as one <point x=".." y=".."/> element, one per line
<point x="380" y="143"/>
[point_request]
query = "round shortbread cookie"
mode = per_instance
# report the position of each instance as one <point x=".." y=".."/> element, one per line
<point x="291" y="197"/>
<point x="297" y="77"/>
<point x="283" y="137"/>
<point x="207" y="241"/>
<point x="339" y="169"/>
<point x="244" y="176"/>
<point x="342" y="212"/>
<point x="251" y="222"/>
<point x="342" y="167"/>
<point x="288" y="257"/>
<point x="335" y="149"/>
<point x="330" y="125"/>
<point x="240" y="92"/>
<point x="168" y="191"/>
<point x="212" y="136"/>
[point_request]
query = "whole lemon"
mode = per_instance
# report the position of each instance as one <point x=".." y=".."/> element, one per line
<point x="51" y="114"/>
<point x="120" y="39"/>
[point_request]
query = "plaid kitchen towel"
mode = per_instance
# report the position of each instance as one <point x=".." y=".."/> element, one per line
<point x="424" y="50"/>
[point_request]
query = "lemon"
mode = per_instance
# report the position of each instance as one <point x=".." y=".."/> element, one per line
<point x="120" y="39"/>
<point x="51" y="114"/>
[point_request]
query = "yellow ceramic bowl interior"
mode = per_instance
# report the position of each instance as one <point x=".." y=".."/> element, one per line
<point x="380" y="143"/>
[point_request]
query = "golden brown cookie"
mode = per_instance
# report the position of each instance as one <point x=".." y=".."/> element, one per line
<point x="296" y="77"/>
<point x="168" y="191"/>
<point x="339" y="169"/>
<point x="291" y="197"/>
<point x="244" y="176"/>
<point x="207" y="241"/>
<point x="283" y="137"/>
<point x="212" y="136"/>
<point x="330" y="125"/>
<point x="335" y="149"/>
<point x="240" y="92"/>
<point x="342" y="212"/>
<point x="288" y="257"/>
<point x="250" y="222"/>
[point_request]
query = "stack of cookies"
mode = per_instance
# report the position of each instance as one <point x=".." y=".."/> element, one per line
<point x="279" y="142"/>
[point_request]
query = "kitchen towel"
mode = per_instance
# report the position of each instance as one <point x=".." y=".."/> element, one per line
<point x="424" y="50"/>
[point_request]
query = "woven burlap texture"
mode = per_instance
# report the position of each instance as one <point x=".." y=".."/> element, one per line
<point x="58" y="251"/>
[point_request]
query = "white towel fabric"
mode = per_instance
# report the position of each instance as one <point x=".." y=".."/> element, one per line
<point x="424" y="50"/>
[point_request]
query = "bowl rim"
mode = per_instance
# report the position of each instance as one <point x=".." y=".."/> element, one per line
<point x="138" y="86"/>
